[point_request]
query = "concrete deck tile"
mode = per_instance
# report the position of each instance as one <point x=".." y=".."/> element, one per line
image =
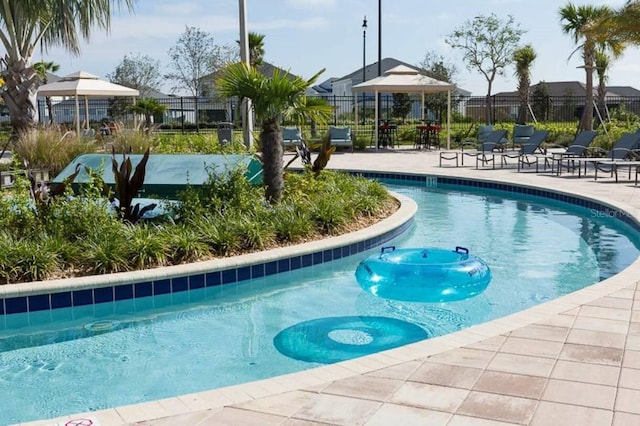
<point x="336" y="409"/>
<point x="577" y="393"/>
<point x="601" y="324"/>
<point x="596" y="338"/>
<point x="625" y="419"/>
<point x="230" y="416"/>
<point x="511" y="384"/>
<point x="459" y="420"/>
<point x="612" y="302"/>
<point x="280" y="405"/>
<point x="593" y="354"/>
<point x="498" y="407"/>
<point x="365" y="387"/>
<point x="464" y="357"/>
<point x="401" y="371"/>
<point x="191" y="418"/>
<point x="446" y="375"/>
<point x="606" y="313"/>
<point x="521" y="364"/>
<point x="585" y="372"/>
<point x="390" y="414"/>
<point x="555" y="414"/>
<point x="542" y="332"/>
<point x="634" y="329"/>
<point x="531" y="347"/>
<point x="631" y="359"/>
<point x="627" y="400"/>
<point x="490" y="344"/>
<point x="630" y="378"/>
<point x="423" y="395"/>
<point x="144" y="411"/>
<point x="633" y="343"/>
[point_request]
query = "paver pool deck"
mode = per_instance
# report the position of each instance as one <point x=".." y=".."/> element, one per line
<point x="571" y="361"/>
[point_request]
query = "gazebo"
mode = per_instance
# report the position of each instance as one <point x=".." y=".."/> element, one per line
<point x="402" y="79"/>
<point x="82" y="83"/>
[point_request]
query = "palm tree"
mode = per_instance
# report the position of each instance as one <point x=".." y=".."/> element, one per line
<point x="602" y="63"/>
<point x="256" y="48"/>
<point x="523" y="58"/>
<point x="271" y="99"/>
<point x="588" y="26"/>
<point x="148" y="107"/>
<point x="26" y="23"/>
<point x="42" y="69"/>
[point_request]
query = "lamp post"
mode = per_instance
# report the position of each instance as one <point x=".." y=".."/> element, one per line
<point x="364" y="60"/>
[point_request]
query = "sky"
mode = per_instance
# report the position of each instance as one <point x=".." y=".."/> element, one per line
<point x="306" y="36"/>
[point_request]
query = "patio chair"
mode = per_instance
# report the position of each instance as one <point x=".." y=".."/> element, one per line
<point x="291" y="137"/>
<point x="492" y="143"/>
<point x="528" y="154"/>
<point x="623" y="149"/>
<point x="576" y="149"/>
<point x="340" y="136"/>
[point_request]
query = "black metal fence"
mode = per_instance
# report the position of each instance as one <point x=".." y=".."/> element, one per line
<point x="185" y="114"/>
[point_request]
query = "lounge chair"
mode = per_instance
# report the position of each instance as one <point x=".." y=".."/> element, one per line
<point x="529" y="152"/>
<point x="622" y="149"/>
<point x="340" y="136"/>
<point x="577" y="149"/>
<point x="492" y="143"/>
<point x="291" y="137"/>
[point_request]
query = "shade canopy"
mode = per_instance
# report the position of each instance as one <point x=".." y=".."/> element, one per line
<point x="402" y="79"/>
<point x="81" y="83"/>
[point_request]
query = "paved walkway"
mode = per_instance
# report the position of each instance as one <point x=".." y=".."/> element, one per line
<point x="571" y="361"/>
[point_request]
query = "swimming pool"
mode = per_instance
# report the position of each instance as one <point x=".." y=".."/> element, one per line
<point x="537" y="250"/>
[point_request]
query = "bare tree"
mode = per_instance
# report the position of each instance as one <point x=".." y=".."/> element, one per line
<point x="138" y="71"/>
<point x="195" y="56"/>
<point x="487" y="44"/>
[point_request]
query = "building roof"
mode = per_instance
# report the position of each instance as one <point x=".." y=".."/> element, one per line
<point x="575" y="88"/>
<point x="371" y="71"/>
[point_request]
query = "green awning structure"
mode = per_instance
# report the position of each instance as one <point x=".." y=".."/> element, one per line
<point x="166" y="174"/>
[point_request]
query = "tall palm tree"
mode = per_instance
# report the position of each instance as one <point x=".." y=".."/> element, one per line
<point x="256" y="48"/>
<point x="42" y="69"/>
<point x="26" y="23"/>
<point x="523" y="58"/>
<point x="602" y="63"/>
<point x="271" y="99"/>
<point x="587" y="26"/>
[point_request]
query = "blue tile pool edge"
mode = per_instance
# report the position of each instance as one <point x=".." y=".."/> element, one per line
<point x="79" y="291"/>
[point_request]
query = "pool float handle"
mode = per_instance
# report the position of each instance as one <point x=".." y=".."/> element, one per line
<point x="462" y="249"/>
<point x="390" y="248"/>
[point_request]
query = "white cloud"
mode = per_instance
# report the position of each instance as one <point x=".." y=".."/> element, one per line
<point x="312" y="4"/>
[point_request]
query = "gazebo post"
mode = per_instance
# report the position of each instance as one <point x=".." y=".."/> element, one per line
<point x="375" y="124"/>
<point x="449" y="120"/>
<point x="77" y="117"/>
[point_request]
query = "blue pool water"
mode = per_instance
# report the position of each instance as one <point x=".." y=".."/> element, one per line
<point x="93" y="357"/>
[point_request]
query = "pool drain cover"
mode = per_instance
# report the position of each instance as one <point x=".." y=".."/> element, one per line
<point x="101" y="326"/>
<point x="334" y="339"/>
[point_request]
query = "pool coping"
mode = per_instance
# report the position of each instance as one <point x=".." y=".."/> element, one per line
<point x="309" y="378"/>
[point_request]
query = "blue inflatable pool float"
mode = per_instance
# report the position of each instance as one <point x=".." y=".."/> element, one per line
<point x="335" y="339"/>
<point x="423" y="274"/>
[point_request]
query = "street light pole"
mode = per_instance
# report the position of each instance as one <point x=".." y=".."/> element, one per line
<point x="364" y="60"/>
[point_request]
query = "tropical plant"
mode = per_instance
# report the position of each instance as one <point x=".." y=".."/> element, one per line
<point x="148" y="107"/>
<point x="25" y="24"/>
<point x="587" y="25"/>
<point x="487" y="44"/>
<point x="43" y="68"/>
<point x="256" y="48"/>
<point x="602" y="64"/>
<point x="128" y="186"/>
<point x="271" y="97"/>
<point x="523" y="58"/>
